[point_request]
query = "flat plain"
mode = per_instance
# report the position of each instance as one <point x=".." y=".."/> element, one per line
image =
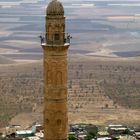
<point x="100" y="28"/>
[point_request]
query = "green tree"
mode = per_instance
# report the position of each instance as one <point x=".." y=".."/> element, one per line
<point x="71" y="137"/>
<point x="90" y="135"/>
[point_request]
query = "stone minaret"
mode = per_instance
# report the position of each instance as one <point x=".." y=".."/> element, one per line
<point x="55" y="74"/>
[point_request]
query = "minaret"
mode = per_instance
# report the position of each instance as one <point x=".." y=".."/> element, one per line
<point x="55" y="74"/>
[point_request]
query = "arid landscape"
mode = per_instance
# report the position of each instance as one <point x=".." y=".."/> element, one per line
<point x="100" y="91"/>
<point x="104" y="61"/>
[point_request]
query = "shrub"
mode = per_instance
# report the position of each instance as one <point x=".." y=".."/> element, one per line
<point x="71" y="137"/>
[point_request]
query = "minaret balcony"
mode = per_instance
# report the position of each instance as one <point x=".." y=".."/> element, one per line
<point x="55" y="45"/>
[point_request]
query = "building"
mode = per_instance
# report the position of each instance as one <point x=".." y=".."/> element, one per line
<point x="117" y="129"/>
<point x="29" y="133"/>
<point x="137" y="133"/>
<point x="11" y="129"/>
<point x="55" y="49"/>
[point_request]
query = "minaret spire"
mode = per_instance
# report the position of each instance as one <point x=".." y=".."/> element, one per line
<point x="55" y="74"/>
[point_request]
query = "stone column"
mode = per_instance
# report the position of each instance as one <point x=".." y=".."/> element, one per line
<point x="55" y="92"/>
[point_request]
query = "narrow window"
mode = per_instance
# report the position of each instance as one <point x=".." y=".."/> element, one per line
<point x="56" y="37"/>
<point x="59" y="122"/>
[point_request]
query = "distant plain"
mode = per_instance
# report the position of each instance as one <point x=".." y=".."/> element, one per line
<point x="103" y="28"/>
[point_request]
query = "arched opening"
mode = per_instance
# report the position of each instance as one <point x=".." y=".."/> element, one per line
<point x="56" y="37"/>
<point x="59" y="79"/>
<point x="59" y="122"/>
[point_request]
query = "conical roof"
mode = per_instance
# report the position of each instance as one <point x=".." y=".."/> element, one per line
<point x="55" y="8"/>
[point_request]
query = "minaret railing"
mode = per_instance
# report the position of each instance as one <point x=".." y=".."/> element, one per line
<point x="66" y="40"/>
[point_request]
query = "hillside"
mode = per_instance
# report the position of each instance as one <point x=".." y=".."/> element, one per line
<point x="100" y="92"/>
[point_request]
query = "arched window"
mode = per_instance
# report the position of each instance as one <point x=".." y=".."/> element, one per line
<point x="56" y="37"/>
<point x="59" y="78"/>
<point x="59" y="122"/>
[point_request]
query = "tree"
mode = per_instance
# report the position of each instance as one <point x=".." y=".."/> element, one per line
<point x="71" y="137"/>
<point x="91" y="132"/>
<point x="90" y="135"/>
